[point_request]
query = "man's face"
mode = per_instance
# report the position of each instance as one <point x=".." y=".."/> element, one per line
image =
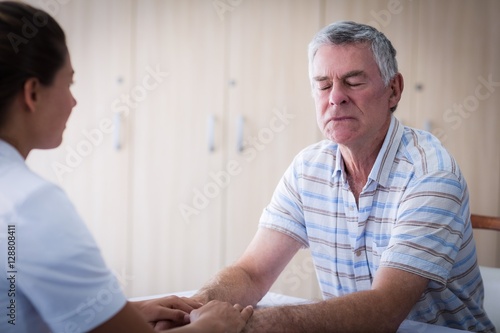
<point x="352" y="102"/>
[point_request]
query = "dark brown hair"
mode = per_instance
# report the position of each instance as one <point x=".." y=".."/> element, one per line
<point x="32" y="44"/>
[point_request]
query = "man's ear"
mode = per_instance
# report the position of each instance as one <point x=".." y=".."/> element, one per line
<point x="31" y="93"/>
<point x="397" y="86"/>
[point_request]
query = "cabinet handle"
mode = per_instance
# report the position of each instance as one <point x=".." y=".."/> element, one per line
<point x="240" y="125"/>
<point x="211" y="133"/>
<point x="117" y="129"/>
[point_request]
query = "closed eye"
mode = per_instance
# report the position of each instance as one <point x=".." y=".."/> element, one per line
<point x="353" y="84"/>
<point x="354" y="78"/>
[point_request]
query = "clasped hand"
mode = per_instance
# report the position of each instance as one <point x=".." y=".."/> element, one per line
<point x="173" y="311"/>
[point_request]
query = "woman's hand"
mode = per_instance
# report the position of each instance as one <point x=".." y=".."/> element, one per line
<point x="170" y="311"/>
<point x="217" y="316"/>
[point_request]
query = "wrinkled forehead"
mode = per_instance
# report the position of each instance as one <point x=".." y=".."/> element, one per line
<point x="337" y="60"/>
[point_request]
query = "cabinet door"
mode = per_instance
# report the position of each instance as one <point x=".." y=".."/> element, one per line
<point x="271" y="117"/>
<point x="459" y="70"/>
<point x="86" y="165"/>
<point x="176" y="190"/>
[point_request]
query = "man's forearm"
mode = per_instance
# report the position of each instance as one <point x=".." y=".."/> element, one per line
<point x="358" y="312"/>
<point x="363" y="311"/>
<point x="232" y="285"/>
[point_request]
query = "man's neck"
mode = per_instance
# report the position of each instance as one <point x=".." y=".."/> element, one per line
<point x="359" y="161"/>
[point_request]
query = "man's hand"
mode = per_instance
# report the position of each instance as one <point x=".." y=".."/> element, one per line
<point x="217" y="316"/>
<point x="166" y="312"/>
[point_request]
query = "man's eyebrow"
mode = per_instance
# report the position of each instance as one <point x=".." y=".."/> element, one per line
<point x="353" y="74"/>
<point x="347" y="75"/>
<point x="320" y="78"/>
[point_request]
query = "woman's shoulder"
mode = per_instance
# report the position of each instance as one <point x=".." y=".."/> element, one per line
<point x="18" y="183"/>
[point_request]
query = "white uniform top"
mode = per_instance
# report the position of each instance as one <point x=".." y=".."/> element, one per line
<point x="52" y="275"/>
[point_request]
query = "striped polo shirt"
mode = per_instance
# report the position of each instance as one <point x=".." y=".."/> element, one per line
<point x="413" y="215"/>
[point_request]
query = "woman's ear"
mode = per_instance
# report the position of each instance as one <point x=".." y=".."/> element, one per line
<point x="31" y="93"/>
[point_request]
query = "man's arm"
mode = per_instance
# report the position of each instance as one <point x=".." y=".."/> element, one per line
<point x="249" y="279"/>
<point x="381" y="309"/>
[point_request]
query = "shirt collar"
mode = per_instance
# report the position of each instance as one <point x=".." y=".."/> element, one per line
<point x="11" y="153"/>
<point x="383" y="164"/>
<point x="339" y="165"/>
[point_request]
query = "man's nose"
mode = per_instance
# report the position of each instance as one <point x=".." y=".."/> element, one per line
<point x="338" y="95"/>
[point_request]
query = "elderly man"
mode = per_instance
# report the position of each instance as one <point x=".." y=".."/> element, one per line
<point x="384" y="209"/>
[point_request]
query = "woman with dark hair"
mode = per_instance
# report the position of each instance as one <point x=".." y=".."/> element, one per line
<point x="53" y="275"/>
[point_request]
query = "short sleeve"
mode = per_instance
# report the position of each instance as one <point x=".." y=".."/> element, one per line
<point x="60" y="268"/>
<point x="430" y="227"/>
<point x="285" y="211"/>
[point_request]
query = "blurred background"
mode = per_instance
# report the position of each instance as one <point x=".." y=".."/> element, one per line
<point x="189" y="112"/>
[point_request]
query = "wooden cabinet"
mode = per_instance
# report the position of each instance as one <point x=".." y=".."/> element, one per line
<point x="270" y="92"/>
<point x="177" y="227"/>
<point x="211" y="145"/>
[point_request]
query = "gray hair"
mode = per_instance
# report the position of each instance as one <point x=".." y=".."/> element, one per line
<point x="347" y="32"/>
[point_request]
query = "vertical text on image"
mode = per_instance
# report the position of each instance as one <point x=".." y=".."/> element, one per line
<point x="11" y="273"/>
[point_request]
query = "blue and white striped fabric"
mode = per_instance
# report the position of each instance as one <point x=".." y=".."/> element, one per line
<point x="413" y="215"/>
